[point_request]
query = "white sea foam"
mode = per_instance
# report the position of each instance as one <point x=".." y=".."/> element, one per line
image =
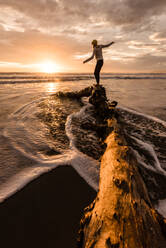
<point x="26" y="133"/>
<point x="147" y="147"/>
<point x="69" y="133"/>
<point x="87" y="167"/>
<point x="161" y="207"/>
<point x="19" y="180"/>
<point x="155" y="119"/>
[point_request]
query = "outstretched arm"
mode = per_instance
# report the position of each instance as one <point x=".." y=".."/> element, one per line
<point x="107" y="45"/>
<point x="87" y="60"/>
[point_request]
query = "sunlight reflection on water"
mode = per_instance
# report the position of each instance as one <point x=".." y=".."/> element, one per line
<point x="52" y="87"/>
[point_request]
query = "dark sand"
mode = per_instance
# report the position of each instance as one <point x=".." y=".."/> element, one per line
<point x="45" y="213"/>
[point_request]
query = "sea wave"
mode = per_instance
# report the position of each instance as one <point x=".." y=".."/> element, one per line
<point x="30" y="137"/>
<point x="146" y="136"/>
<point x="43" y="78"/>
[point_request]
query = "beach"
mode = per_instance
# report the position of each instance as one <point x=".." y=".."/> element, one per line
<point x="46" y="212"/>
<point x="50" y="160"/>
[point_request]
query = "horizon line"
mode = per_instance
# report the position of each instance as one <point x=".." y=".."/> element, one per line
<point x="17" y="72"/>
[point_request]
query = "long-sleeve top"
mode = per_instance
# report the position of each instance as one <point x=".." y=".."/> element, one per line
<point x="97" y="52"/>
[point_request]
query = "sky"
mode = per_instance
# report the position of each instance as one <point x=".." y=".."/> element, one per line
<point x="36" y="33"/>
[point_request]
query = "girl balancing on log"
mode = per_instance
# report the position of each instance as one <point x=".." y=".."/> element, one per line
<point x="97" y="52"/>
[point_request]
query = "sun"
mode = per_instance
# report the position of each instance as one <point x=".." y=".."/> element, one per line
<point x="49" y="67"/>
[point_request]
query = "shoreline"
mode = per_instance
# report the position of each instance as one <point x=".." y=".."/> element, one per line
<point x="47" y="211"/>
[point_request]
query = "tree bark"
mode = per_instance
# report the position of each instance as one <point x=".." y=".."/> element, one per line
<point x="122" y="214"/>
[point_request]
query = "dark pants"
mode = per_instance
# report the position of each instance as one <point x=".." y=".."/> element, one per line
<point x="97" y="70"/>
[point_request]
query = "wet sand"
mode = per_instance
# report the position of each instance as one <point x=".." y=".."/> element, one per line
<point x="46" y="212"/>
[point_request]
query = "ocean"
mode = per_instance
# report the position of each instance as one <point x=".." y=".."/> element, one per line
<point x="40" y="131"/>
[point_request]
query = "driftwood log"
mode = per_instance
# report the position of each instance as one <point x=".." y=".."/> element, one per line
<point x="122" y="214"/>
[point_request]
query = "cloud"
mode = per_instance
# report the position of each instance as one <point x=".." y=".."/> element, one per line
<point x="132" y="13"/>
<point x="148" y="47"/>
<point x="50" y="13"/>
<point x="63" y="29"/>
<point x="9" y="64"/>
<point x="159" y="36"/>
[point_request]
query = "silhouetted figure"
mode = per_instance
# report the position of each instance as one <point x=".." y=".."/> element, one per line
<point x="97" y="52"/>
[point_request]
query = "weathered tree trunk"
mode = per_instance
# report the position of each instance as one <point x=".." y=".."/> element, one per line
<point x="122" y="214"/>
